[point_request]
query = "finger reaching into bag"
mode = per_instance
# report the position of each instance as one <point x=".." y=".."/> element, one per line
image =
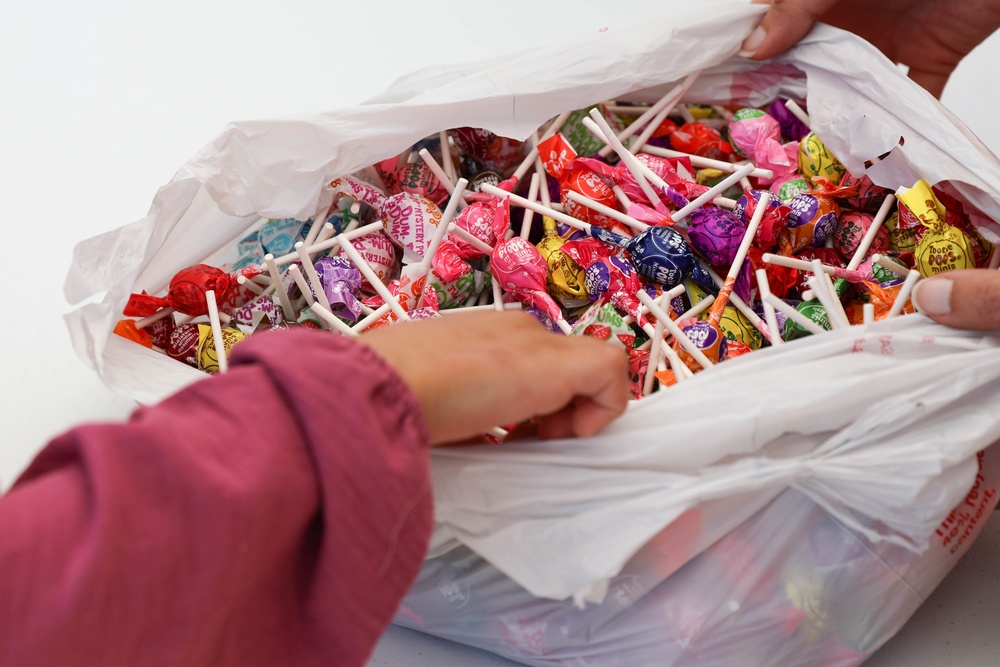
<point x="962" y="299"/>
<point x="474" y="371"/>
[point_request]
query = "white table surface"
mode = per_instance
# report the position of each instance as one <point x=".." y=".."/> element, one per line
<point x="103" y="101"/>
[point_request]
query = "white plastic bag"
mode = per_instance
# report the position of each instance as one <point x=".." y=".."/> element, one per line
<point x="885" y="443"/>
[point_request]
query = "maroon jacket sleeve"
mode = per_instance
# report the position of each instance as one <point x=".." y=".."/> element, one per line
<point x="275" y="515"/>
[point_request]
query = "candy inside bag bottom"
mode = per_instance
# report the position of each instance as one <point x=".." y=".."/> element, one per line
<point x="790" y="586"/>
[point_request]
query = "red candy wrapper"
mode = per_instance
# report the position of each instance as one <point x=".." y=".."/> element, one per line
<point x="186" y="293"/>
<point x="561" y="162"/>
<point x="700" y="139"/>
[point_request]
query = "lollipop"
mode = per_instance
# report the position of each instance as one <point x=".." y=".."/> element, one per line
<point x="565" y="279"/>
<point x="575" y="175"/>
<point x="614" y="278"/>
<point x="943" y="247"/>
<point x="771" y="226"/>
<point x="757" y="135"/>
<point x="811" y="219"/>
<point x="716" y="234"/>
<point x="661" y="255"/>
<point x="495" y="153"/>
<point x="700" y="139"/>
<point x="486" y="221"/>
<point x="186" y="293"/>
<point x="341" y="281"/>
<point x="815" y="159"/>
<point x="521" y="271"/>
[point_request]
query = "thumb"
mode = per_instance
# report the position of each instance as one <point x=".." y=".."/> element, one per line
<point x="785" y="23"/>
<point x="963" y="299"/>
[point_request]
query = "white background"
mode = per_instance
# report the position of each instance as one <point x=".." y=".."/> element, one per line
<point x="103" y="101"/>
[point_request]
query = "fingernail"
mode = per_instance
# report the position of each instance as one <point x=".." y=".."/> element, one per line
<point x="932" y="296"/>
<point x="753" y="43"/>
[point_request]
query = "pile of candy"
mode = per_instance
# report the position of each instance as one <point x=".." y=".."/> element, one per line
<point x="686" y="235"/>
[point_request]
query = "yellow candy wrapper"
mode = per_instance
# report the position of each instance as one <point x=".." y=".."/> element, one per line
<point x="565" y="279"/>
<point x="208" y="357"/>
<point x="815" y="159"/>
<point x="943" y="248"/>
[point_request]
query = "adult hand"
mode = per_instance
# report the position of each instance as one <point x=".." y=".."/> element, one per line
<point x="963" y="299"/>
<point x="473" y="371"/>
<point x="929" y="36"/>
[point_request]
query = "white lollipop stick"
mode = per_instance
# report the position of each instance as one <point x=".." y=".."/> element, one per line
<point x="623" y="198"/>
<point x="300" y="280"/>
<point x="707" y="163"/>
<point x="740" y="305"/>
<point x="318" y="223"/>
<point x="674" y="330"/>
<point x="369" y="273"/>
<point x="313" y="276"/>
<point x="497" y="295"/>
<point x="603" y="130"/>
<point x="325" y="233"/>
<point x="332" y="321"/>
<point x="654" y="350"/>
<point x="697" y="309"/>
<point x="371" y="318"/>
<point x="242" y="281"/>
<point x="543" y="183"/>
<point x="217" y="339"/>
<point x="868" y="312"/>
<point x="741" y="254"/>
<point x="471" y="239"/>
<point x="887" y="263"/>
<point x="649" y="116"/>
<point x="606" y="210"/>
<point x="866" y="242"/>
<point x="449" y="165"/>
<point x="439" y="234"/>
<point x="676" y="94"/>
<point x="279" y="288"/>
<point x="769" y="316"/>
<point x="351" y="226"/>
<point x="798" y="112"/>
<point x="536" y="207"/>
<point x="712" y="193"/>
<point x="724" y="202"/>
<point x="795" y="316"/>
<point x="681" y="371"/>
<point x="809" y="295"/>
<point x="686" y="114"/>
<point x="819" y="290"/>
<point x="330" y="243"/>
<point x="792" y="263"/>
<point x="824" y="278"/>
<point x="439" y="173"/>
<point x="671" y="294"/>
<point x="904" y="293"/>
<point x="723" y="111"/>
<point x="155" y="317"/>
<point x="528" y="213"/>
<point x="532" y="155"/>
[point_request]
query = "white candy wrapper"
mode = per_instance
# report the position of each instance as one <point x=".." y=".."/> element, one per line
<point x="880" y="427"/>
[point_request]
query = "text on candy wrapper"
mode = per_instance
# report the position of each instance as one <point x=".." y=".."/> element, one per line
<point x="961" y="523"/>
